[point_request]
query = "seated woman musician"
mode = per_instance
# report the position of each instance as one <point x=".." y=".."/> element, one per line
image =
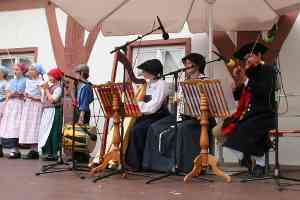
<point x="152" y="108"/>
<point x="246" y="131"/>
<point x="160" y="146"/>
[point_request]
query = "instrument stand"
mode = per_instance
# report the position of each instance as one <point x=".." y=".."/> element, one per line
<point x="53" y="167"/>
<point x="277" y="176"/>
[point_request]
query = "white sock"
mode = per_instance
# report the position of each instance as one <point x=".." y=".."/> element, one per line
<point x="34" y="147"/>
<point x="238" y="154"/>
<point x="260" y="160"/>
<point x="14" y="150"/>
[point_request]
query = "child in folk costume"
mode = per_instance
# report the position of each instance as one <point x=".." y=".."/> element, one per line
<point x="32" y="110"/>
<point x="11" y="120"/>
<point x="85" y="95"/>
<point x="52" y="117"/>
<point x="3" y="87"/>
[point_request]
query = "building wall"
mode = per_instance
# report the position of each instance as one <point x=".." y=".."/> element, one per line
<point x="29" y="28"/>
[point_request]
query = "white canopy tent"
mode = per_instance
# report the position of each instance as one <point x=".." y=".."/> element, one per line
<point x="126" y="17"/>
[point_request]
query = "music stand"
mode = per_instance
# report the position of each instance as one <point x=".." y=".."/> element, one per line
<point x="118" y="101"/>
<point x="212" y="103"/>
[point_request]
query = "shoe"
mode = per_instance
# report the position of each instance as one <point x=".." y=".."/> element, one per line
<point x="1" y="152"/>
<point x="258" y="171"/>
<point x="32" y="155"/>
<point x="246" y="162"/>
<point x="131" y="169"/>
<point x="14" y="155"/>
<point x="50" y="158"/>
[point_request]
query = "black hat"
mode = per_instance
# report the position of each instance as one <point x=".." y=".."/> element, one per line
<point x="152" y="66"/>
<point x="248" y="48"/>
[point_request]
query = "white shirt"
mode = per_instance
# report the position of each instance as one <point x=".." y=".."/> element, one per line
<point x="158" y="90"/>
<point x="32" y="87"/>
<point x="246" y="82"/>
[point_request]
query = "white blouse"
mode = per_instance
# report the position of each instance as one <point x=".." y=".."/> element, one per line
<point x="158" y="90"/>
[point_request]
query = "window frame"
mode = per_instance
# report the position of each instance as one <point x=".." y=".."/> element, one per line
<point x="157" y="43"/>
<point x="14" y="52"/>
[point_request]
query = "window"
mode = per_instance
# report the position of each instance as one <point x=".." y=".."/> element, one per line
<point x="9" y="57"/>
<point x="169" y="52"/>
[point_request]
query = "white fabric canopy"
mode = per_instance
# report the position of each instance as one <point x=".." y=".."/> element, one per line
<point x="125" y="17"/>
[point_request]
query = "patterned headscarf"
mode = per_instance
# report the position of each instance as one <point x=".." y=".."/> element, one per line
<point x="23" y="67"/>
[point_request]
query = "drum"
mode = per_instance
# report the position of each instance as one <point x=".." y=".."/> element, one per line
<point x="83" y="143"/>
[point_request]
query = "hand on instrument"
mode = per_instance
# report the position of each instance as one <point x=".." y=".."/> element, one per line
<point x="252" y="61"/>
<point x="239" y="76"/>
<point x="44" y="85"/>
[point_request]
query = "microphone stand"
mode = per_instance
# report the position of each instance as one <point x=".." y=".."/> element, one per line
<point x="74" y="167"/>
<point x="54" y="167"/>
<point x="124" y="46"/>
<point x="176" y="171"/>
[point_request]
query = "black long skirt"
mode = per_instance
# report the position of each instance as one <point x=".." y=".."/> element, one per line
<point x="138" y="137"/>
<point x="164" y="151"/>
<point x="251" y="135"/>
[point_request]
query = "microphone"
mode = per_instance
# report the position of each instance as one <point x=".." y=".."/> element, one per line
<point x="175" y="72"/>
<point x="221" y="57"/>
<point x="165" y="35"/>
<point x="227" y="62"/>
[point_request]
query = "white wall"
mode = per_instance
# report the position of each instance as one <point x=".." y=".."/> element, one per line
<point x="29" y="28"/>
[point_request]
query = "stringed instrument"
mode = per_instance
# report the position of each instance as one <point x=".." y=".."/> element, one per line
<point x="100" y="162"/>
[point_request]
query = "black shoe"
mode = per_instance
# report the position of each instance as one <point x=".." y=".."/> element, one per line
<point x="246" y="162"/>
<point x="14" y="155"/>
<point x="50" y="158"/>
<point x="32" y="155"/>
<point x="1" y="152"/>
<point x="258" y="171"/>
<point x="131" y="169"/>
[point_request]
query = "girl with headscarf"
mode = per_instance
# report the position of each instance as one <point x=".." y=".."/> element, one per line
<point x="11" y="120"/>
<point x="3" y="87"/>
<point x="52" y="117"/>
<point x="32" y="110"/>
